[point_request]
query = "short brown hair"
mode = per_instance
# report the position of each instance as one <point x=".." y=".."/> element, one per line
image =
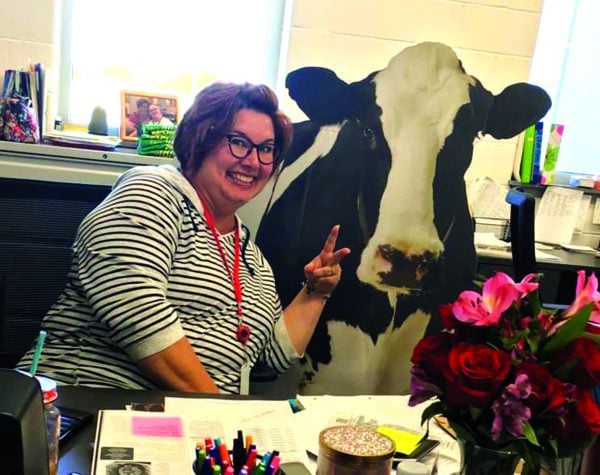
<point x="211" y="116"/>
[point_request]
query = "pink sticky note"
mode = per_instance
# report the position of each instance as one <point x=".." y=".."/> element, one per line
<point x="157" y="426"/>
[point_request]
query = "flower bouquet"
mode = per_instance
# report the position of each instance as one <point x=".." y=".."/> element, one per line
<point x="512" y="376"/>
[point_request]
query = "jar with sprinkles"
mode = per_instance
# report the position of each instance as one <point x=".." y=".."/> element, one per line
<point x="353" y="450"/>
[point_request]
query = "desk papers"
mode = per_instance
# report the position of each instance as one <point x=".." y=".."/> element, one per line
<point x="321" y="412"/>
<point x="557" y="214"/>
<point x="269" y="422"/>
<point x="165" y="443"/>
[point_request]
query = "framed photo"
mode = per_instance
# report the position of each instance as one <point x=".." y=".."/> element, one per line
<point x="138" y="108"/>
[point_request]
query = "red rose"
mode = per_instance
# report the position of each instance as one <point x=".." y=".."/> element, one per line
<point x="449" y="321"/>
<point x="431" y="354"/>
<point x="585" y="355"/>
<point x="580" y="422"/>
<point x="547" y="392"/>
<point x="589" y="411"/>
<point x="475" y="374"/>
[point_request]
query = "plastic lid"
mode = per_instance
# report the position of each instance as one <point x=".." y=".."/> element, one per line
<point x="48" y="386"/>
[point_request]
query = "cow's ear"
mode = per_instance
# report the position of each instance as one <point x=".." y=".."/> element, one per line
<point x="516" y="108"/>
<point x="320" y="94"/>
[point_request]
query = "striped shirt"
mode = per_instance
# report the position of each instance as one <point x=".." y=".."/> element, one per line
<point x="147" y="272"/>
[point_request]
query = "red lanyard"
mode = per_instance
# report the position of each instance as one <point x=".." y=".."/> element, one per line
<point x="243" y="331"/>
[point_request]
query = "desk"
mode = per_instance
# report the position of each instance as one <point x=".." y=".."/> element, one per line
<point x="76" y="455"/>
<point x="559" y="276"/>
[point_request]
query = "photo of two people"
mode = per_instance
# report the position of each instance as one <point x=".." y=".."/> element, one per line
<point x="139" y="108"/>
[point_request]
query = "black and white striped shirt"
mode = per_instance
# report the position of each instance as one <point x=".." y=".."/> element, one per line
<point x="147" y="272"/>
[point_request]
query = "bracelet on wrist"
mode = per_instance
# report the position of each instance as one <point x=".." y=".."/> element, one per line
<point x="310" y="290"/>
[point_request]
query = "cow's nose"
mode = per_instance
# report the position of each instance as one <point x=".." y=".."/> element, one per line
<point x="406" y="270"/>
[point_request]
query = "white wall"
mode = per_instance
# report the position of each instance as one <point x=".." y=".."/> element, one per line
<point x="30" y="32"/>
<point x="495" y="40"/>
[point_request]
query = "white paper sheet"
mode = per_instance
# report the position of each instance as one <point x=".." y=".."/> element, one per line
<point x="151" y="442"/>
<point x="269" y="422"/>
<point x="486" y="199"/>
<point x="596" y="215"/>
<point x="557" y="215"/>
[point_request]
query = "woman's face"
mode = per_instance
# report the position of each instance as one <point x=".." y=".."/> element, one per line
<point x="227" y="182"/>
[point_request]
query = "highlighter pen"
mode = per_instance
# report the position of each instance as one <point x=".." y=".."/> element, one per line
<point x="224" y="453"/>
<point x="260" y="469"/>
<point x="274" y="467"/>
<point x="208" y="443"/>
<point x="214" y="453"/>
<point x="266" y="459"/>
<point x="206" y="467"/>
<point x="251" y="460"/>
<point x="249" y="442"/>
<point x="239" y="454"/>
<point x="200" y="456"/>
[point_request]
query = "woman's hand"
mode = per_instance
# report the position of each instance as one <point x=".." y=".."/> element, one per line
<point x="322" y="275"/>
<point x="324" y="272"/>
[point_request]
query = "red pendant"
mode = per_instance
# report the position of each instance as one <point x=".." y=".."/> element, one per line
<point x="242" y="333"/>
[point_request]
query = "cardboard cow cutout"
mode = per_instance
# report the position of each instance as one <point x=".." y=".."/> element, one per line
<point x="385" y="158"/>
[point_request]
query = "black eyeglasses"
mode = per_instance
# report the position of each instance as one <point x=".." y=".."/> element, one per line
<point x="241" y="146"/>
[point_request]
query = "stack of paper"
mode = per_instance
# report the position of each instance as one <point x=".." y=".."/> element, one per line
<point x="82" y="139"/>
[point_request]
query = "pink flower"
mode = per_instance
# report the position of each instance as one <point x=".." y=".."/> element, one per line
<point x="586" y="292"/>
<point x="498" y="294"/>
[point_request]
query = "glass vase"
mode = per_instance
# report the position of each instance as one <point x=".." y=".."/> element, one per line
<point x="563" y="466"/>
<point x="476" y="460"/>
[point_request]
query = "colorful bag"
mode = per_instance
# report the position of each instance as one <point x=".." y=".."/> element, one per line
<point x="18" y="121"/>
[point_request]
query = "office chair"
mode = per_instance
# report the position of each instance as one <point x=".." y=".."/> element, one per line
<point x="522" y="234"/>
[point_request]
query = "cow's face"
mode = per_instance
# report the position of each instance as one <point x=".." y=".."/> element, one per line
<point x="422" y="109"/>
<point x="419" y="94"/>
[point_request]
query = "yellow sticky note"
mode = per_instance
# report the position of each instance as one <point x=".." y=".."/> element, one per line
<point x="406" y="440"/>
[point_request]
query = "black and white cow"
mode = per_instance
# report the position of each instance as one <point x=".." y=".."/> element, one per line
<point x="385" y="158"/>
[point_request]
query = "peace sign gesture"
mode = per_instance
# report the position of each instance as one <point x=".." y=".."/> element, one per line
<point x="324" y="271"/>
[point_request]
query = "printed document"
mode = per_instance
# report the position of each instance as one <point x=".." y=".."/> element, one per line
<point x="557" y="215"/>
<point x="163" y="443"/>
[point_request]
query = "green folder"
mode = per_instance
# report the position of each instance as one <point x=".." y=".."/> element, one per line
<point x="527" y="155"/>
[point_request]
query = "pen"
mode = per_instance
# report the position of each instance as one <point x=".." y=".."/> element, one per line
<point x="251" y="460"/>
<point x="249" y="442"/>
<point x="260" y="469"/>
<point x="274" y="466"/>
<point x="206" y="467"/>
<point x="224" y="453"/>
<point x="216" y="470"/>
<point x="239" y="454"/>
<point x="208" y="443"/>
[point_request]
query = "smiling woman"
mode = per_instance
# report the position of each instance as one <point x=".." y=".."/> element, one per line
<point x="168" y="290"/>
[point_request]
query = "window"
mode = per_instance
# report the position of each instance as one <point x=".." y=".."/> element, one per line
<point x="175" y="47"/>
<point x="567" y="64"/>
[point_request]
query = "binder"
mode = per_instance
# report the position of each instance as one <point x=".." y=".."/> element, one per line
<point x="527" y="156"/>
